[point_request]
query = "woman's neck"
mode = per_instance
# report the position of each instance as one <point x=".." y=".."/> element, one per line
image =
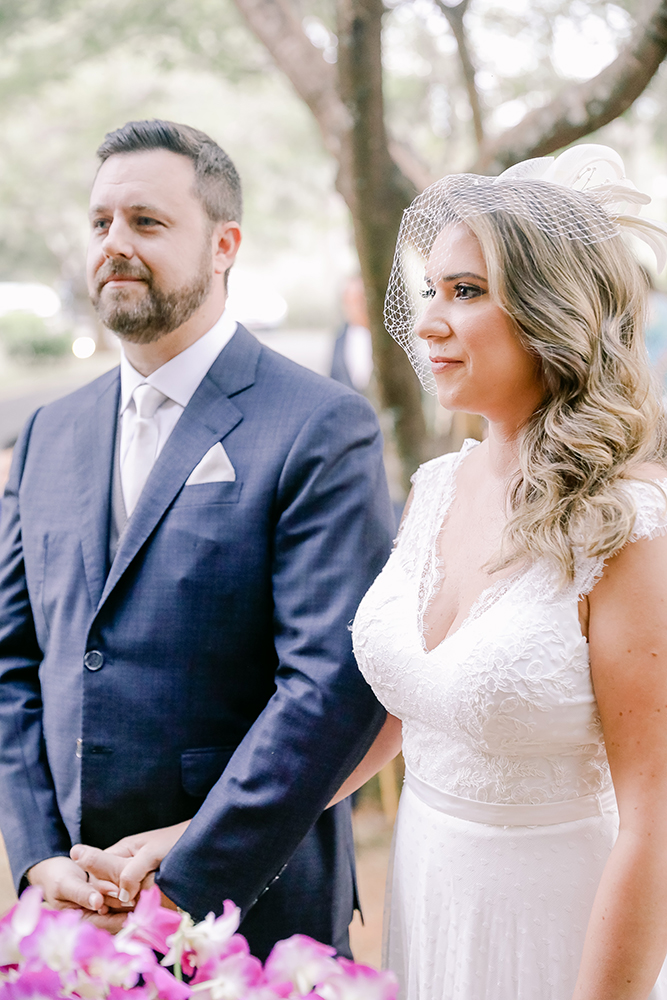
<point x="503" y="450"/>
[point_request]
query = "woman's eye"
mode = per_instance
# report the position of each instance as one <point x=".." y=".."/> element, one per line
<point x="464" y="291"/>
<point x="427" y="293"/>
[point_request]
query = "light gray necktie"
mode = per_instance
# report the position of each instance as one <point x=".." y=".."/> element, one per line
<point x="142" y="452"/>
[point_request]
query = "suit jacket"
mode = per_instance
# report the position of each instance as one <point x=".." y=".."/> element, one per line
<point x="208" y="671"/>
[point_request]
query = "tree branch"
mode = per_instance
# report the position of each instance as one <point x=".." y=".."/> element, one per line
<point x="276" y="24"/>
<point x="455" y="16"/>
<point x="584" y="107"/>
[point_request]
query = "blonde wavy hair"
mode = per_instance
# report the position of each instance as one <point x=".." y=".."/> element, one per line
<point x="579" y="309"/>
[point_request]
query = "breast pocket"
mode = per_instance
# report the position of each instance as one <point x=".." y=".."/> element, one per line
<point x="204" y="494"/>
<point x="201" y="768"/>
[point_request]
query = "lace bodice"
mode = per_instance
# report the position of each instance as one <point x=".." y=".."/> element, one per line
<point x="503" y="709"/>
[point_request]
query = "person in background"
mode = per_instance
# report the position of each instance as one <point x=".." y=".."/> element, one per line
<point x="352" y="361"/>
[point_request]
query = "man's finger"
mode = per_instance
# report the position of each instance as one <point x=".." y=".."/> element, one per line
<point x="103" y="866"/>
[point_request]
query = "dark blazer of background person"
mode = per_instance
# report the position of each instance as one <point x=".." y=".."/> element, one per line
<point x="208" y="671"/>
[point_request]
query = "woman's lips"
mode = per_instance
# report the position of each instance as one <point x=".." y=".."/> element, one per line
<point x="439" y="365"/>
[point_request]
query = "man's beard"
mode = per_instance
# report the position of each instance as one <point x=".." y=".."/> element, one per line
<point x="157" y="312"/>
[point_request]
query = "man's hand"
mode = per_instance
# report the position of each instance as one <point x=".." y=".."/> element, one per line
<point x="65" y="886"/>
<point x="124" y="869"/>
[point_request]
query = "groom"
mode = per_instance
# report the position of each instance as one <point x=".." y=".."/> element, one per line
<point x="183" y="545"/>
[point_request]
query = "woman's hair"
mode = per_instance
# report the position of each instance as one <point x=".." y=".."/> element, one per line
<point x="579" y="309"/>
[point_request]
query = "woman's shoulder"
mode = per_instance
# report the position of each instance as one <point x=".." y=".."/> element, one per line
<point x="647" y="484"/>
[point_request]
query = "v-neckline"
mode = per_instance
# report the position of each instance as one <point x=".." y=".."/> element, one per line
<point x="487" y="597"/>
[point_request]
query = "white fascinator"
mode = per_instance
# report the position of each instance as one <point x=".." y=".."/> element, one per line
<point x="582" y="194"/>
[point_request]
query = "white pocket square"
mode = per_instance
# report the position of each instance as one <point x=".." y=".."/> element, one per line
<point x="214" y="467"/>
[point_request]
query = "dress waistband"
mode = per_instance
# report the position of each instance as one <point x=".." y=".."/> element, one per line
<point x="508" y="814"/>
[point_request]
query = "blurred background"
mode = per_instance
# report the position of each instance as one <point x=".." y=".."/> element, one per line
<point x="333" y="132"/>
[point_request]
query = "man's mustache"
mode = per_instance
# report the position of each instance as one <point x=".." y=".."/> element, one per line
<point x="119" y="269"/>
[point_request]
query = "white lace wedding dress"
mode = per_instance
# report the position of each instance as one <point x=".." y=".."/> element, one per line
<point x="508" y="813"/>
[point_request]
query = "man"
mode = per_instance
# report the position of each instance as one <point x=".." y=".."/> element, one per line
<point x="183" y="545"/>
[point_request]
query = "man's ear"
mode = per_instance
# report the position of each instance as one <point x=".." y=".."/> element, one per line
<point x="226" y="237"/>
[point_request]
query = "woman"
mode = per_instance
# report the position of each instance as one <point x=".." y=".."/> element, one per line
<point x="517" y="638"/>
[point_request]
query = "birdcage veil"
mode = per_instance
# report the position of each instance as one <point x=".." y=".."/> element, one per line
<point x="583" y="195"/>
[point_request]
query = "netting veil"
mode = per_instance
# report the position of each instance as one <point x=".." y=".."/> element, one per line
<point x="583" y="194"/>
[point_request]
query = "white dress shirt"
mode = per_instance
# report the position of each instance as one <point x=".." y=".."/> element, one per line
<point x="178" y="379"/>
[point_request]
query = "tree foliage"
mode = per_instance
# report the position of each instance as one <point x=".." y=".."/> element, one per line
<point x="400" y="94"/>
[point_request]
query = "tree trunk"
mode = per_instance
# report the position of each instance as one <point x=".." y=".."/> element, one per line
<point x="379" y="195"/>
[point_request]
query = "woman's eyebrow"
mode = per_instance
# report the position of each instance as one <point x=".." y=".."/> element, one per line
<point x="462" y="274"/>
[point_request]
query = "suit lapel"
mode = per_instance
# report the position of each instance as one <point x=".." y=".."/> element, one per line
<point x="209" y="417"/>
<point x="95" y="436"/>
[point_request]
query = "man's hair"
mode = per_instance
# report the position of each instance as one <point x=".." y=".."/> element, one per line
<point x="217" y="183"/>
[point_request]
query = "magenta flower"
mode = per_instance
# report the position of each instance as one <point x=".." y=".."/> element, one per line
<point x="298" y="964"/>
<point x="262" y="992"/>
<point x="53" y="941"/>
<point x="20" y="922"/>
<point x="229" y="978"/>
<point x="358" y="982"/>
<point x="100" y="958"/>
<point x="161" y="985"/>
<point x="138" y="993"/>
<point x="149" y="922"/>
<point x="33" y="984"/>
<point x="193" y="944"/>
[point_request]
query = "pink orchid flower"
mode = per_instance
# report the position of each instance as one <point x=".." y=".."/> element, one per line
<point x="150" y="923"/>
<point x="229" y="979"/>
<point x="300" y="963"/>
<point x="193" y="944"/>
<point x="33" y="984"/>
<point x="161" y="985"/>
<point x="99" y="957"/>
<point x="20" y="922"/>
<point x="54" y="940"/>
<point x="358" y="982"/>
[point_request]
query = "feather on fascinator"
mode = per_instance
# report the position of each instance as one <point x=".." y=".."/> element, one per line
<point x="599" y="171"/>
<point x="582" y="194"/>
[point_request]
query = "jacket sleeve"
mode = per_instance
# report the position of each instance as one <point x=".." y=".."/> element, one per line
<point x="31" y="824"/>
<point x="333" y="530"/>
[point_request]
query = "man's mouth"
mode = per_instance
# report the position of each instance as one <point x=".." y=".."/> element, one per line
<point x="119" y="279"/>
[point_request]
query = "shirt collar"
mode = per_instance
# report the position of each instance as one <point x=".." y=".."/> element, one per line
<point x="179" y="378"/>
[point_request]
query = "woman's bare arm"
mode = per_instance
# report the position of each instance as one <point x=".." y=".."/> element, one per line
<point x="387" y="744"/>
<point x="626" y="939"/>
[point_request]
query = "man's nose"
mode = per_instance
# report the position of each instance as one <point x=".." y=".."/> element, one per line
<point x="117" y="242"/>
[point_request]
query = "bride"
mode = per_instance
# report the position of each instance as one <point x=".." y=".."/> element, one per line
<point x="517" y="638"/>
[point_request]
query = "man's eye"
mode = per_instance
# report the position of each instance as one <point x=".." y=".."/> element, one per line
<point x="427" y="293"/>
<point x="100" y="224"/>
<point x="144" y="220"/>
<point x="464" y="291"/>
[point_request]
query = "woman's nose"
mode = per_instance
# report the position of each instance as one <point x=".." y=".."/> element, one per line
<point x="433" y="321"/>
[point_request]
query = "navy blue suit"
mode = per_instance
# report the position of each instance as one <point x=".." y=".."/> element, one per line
<point x="208" y="671"/>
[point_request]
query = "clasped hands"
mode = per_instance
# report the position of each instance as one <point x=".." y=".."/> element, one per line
<point x="105" y="884"/>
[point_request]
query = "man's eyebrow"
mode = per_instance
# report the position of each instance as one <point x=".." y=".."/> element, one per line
<point x="146" y="209"/>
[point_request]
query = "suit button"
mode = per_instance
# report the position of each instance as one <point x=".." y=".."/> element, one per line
<point x="93" y="660"/>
